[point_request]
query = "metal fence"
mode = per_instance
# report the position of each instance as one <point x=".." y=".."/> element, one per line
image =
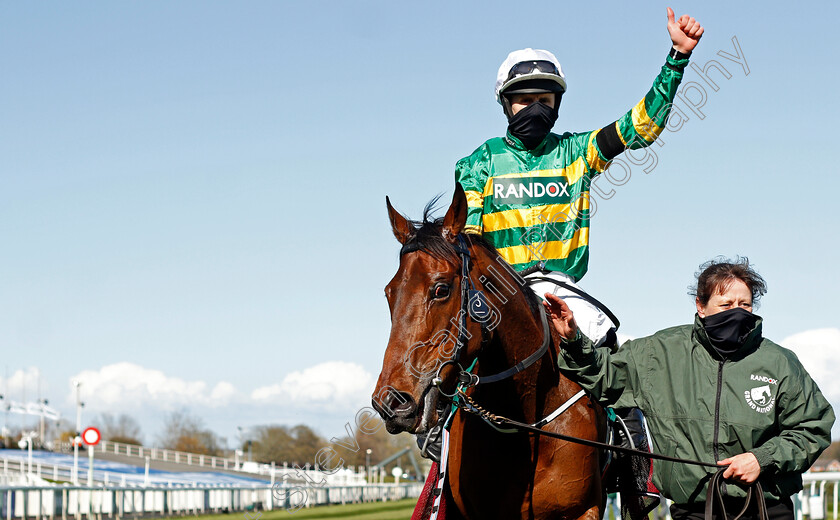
<point x="813" y="500"/>
<point x="82" y="502"/>
<point x="820" y="490"/>
<point x="178" y="457"/>
<point x="282" y="471"/>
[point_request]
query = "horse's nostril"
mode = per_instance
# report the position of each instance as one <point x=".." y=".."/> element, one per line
<point x="401" y="404"/>
<point x="403" y="407"/>
<point x="394" y="404"/>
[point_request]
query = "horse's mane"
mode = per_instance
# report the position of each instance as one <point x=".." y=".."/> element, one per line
<point x="428" y="237"/>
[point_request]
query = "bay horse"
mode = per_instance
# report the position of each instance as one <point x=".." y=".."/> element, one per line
<point x="491" y="474"/>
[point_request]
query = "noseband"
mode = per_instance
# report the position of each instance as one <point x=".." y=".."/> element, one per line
<point x="474" y="306"/>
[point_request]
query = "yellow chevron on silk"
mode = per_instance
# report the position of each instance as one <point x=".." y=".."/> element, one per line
<point x="474" y="199"/>
<point x="474" y="230"/>
<point x="536" y="251"/>
<point x="536" y="215"/>
<point x="593" y="155"/>
<point x="533" y="204"/>
<point x="643" y="124"/>
<point x="618" y="131"/>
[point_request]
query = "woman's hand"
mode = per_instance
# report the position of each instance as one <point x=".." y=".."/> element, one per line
<point x="685" y="32"/>
<point x="561" y="316"/>
<point x="742" y="468"/>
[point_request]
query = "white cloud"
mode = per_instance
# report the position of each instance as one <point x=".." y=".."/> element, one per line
<point x="819" y="352"/>
<point x="622" y="338"/>
<point x="129" y="384"/>
<point x="223" y="392"/>
<point x="332" y="384"/>
<point x="24" y="382"/>
<point x="325" y="396"/>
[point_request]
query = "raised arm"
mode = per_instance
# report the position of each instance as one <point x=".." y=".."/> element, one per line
<point x="643" y="123"/>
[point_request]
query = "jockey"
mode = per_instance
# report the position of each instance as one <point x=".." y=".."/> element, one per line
<point x="528" y="192"/>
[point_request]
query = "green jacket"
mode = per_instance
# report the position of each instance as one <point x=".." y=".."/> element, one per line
<point x="701" y="407"/>
<point x="534" y="205"/>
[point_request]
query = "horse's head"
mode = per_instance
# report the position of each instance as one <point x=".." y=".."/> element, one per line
<point x="425" y="300"/>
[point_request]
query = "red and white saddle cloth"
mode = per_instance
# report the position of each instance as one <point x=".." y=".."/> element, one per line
<point x="433" y="501"/>
<point x="632" y="475"/>
<point x="425" y="504"/>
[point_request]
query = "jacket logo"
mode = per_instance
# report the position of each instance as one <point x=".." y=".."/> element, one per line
<point x="760" y="399"/>
<point x="765" y="379"/>
<point x="531" y="190"/>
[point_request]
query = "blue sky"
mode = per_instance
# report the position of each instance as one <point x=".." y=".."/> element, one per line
<point x="192" y="193"/>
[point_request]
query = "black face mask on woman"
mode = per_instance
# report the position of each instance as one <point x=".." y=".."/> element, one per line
<point x="728" y="330"/>
<point x="531" y="124"/>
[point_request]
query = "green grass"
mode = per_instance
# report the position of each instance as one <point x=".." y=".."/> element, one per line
<point x="394" y="510"/>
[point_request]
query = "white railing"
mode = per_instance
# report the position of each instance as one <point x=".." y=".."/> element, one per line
<point x="62" y="472"/>
<point x="163" y="454"/>
<point x="19" y="469"/>
<point x="812" y="501"/>
<point x="195" y="459"/>
<point x="81" y="502"/>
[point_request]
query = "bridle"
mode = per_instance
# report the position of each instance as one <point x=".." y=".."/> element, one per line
<point x="474" y="306"/>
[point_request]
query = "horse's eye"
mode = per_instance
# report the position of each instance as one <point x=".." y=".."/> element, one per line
<point x="440" y="290"/>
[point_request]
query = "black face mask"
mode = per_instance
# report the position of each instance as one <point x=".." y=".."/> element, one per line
<point x="728" y="330"/>
<point x="531" y="124"/>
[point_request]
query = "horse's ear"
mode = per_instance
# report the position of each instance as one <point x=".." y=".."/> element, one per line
<point x="456" y="215"/>
<point x="401" y="227"/>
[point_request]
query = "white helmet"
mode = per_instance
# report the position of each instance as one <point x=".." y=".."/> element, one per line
<point x="530" y="65"/>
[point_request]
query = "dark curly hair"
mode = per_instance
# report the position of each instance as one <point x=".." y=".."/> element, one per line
<point x="715" y="276"/>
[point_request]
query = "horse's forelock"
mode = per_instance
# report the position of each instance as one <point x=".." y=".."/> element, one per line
<point x="428" y="237"/>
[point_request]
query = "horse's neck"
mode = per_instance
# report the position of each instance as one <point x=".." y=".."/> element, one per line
<point x="518" y="334"/>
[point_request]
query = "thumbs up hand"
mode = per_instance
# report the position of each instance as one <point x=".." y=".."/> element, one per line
<point x="685" y="32"/>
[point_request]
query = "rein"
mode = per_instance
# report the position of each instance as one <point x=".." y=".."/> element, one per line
<point x="525" y="363"/>
<point x="498" y="420"/>
<point x="474" y="305"/>
<point x="714" y="498"/>
<point x="479" y="311"/>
